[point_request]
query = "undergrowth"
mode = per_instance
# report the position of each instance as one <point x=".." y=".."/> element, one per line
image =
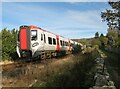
<point x="78" y="73"/>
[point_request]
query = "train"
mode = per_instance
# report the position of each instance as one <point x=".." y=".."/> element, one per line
<point x="35" y="42"/>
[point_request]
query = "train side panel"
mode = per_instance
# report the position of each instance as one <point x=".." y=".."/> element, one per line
<point x="36" y="42"/>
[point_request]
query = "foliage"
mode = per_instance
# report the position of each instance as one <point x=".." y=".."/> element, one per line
<point x="101" y="35"/>
<point x="9" y="42"/>
<point x="0" y="45"/>
<point x="96" y="35"/>
<point x="112" y="17"/>
<point x="112" y="63"/>
<point x="95" y="41"/>
<point x="78" y="73"/>
<point x="0" y="40"/>
<point x="112" y="37"/>
<point x="77" y="49"/>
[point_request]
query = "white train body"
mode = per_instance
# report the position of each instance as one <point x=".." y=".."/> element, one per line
<point x="34" y="41"/>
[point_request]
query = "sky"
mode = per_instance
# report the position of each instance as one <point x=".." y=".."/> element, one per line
<point x="68" y="19"/>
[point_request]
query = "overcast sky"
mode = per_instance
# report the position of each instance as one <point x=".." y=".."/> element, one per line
<point x="69" y="19"/>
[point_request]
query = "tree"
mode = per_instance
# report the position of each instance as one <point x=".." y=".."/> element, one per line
<point x="101" y="35"/>
<point x="96" y="42"/>
<point x="9" y="42"/>
<point x="0" y="40"/>
<point x="112" y="17"/>
<point x="112" y="37"/>
<point x="96" y="35"/>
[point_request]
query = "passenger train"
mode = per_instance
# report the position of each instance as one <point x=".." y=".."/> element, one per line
<point x="37" y="42"/>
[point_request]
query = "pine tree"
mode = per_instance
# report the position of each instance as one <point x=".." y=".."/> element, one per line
<point x="96" y="35"/>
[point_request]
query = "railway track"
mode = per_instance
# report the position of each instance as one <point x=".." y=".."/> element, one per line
<point x="28" y="70"/>
<point x="23" y="62"/>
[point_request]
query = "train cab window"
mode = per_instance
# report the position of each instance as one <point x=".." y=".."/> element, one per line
<point x="49" y="40"/>
<point x="33" y="34"/>
<point x="54" y="41"/>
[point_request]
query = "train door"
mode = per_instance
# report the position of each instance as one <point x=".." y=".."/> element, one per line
<point x="42" y="40"/>
<point x="58" y="45"/>
<point x="34" y="41"/>
<point x="42" y="45"/>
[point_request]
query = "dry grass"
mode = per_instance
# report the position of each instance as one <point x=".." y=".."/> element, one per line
<point x="75" y="71"/>
<point x="24" y="76"/>
<point x="112" y="62"/>
<point x="72" y="70"/>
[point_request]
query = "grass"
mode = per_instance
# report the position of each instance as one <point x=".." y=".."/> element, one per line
<point x="76" y="72"/>
<point x="112" y="62"/>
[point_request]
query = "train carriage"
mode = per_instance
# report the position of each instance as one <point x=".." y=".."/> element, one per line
<point x="37" y="42"/>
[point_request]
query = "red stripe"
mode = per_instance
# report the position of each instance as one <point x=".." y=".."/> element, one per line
<point x="58" y="46"/>
<point x="23" y="39"/>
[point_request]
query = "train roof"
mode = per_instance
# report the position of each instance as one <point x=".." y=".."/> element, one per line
<point x="35" y="27"/>
<point x="43" y="30"/>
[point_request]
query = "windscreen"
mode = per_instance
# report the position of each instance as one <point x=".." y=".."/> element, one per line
<point x="33" y="34"/>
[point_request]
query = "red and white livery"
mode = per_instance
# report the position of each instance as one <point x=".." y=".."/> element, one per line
<point x="37" y="42"/>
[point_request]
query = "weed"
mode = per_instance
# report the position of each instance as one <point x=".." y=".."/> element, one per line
<point x="77" y="73"/>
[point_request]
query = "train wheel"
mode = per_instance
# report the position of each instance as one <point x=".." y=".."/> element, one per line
<point x="43" y="56"/>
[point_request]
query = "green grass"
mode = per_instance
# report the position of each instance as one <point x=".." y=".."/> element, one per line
<point x="78" y="73"/>
<point x="112" y="63"/>
<point x="113" y="60"/>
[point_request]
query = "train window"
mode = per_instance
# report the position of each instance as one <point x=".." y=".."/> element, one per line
<point x="54" y="41"/>
<point x="67" y="43"/>
<point x="61" y="43"/>
<point x="33" y="34"/>
<point x="49" y="40"/>
<point x="64" y="43"/>
<point x="44" y="38"/>
<point x="41" y="37"/>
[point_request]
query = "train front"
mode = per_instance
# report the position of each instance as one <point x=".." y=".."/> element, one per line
<point x="24" y="43"/>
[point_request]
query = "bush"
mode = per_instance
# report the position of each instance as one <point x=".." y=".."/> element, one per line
<point x="9" y="42"/>
<point x="78" y="74"/>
